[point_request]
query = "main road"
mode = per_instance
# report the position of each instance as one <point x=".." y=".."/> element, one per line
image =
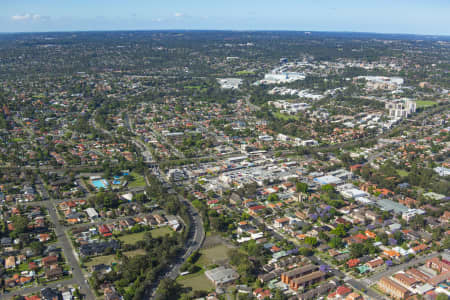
<point x="196" y="230"/>
<point x="194" y="243"/>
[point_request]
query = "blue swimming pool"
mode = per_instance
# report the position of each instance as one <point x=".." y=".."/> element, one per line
<point x="100" y="183"/>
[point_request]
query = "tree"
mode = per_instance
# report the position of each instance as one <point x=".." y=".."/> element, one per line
<point x="273" y="198"/>
<point x="382" y="237"/>
<point x="442" y="296"/>
<point x="417" y="222"/>
<point x="279" y="295"/>
<point x="336" y="243"/>
<point x="357" y="250"/>
<point x="37" y="248"/>
<point x="301" y="187"/>
<point x="328" y="188"/>
<point x="20" y="224"/>
<point x="339" y="230"/>
<point x="305" y="252"/>
<point x="311" y="241"/>
<point x="323" y="236"/>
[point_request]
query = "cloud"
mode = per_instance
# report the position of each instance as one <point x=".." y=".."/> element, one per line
<point x="178" y="15"/>
<point x="28" y="17"/>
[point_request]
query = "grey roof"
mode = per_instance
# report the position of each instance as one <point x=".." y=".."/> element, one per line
<point x="221" y="275"/>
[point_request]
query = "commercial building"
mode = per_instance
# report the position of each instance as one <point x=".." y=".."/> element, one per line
<point x="437" y="280"/>
<point x="401" y="108"/>
<point x="230" y="83"/>
<point x="438" y="265"/>
<point x="175" y="175"/>
<point x="328" y="179"/>
<point x="392" y="288"/>
<point x="405" y="280"/>
<point x="282" y="77"/>
<point x="418" y="275"/>
<point x="381" y="82"/>
<point x="221" y="276"/>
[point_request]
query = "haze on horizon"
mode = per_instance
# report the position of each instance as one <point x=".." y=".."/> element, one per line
<point x="383" y="16"/>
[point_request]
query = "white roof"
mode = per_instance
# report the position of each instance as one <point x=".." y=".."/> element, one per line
<point x="91" y="212"/>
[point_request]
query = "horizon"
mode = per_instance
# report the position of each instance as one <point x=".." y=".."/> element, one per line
<point x="384" y="17"/>
<point x="228" y="30"/>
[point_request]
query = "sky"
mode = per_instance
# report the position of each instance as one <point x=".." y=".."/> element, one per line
<point x="383" y="16"/>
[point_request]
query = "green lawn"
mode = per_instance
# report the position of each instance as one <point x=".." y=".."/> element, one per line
<point x="135" y="253"/>
<point x="193" y="87"/>
<point x="213" y="255"/>
<point x="106" y="259"/>
<point x="245" y="72"/>
<point x="402" y="173"/>
<point x="199" y="282"/>
<point x="281" y="116"/>
<point x="425" y="104"/>
<point x="23" y="267"/>
<point x="133" y="238"/>
<point x="162" y="231"/>
<point x="138" y="180"/>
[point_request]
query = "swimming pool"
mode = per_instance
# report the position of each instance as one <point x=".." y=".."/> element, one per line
<point x="100" y="183"/>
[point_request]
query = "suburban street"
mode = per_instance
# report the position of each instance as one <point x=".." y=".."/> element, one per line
<point x="69" y="253"/>
<point x="388" y="272"/>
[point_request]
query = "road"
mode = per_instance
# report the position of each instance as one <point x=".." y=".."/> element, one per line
<point x="69" y="253"/>
<point x="196" y="234"/>
<point x="196" y="237"/>
<point x="388" y="272"/>
<point x="366" y="283"/>
<point x="31" y="290"/>
<point x="358" y="285"/>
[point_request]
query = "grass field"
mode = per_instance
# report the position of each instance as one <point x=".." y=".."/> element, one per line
<point x="403" y="173"/>
<point x="245" y="72"/>
<point x="193" y="87"/>
<point x="161" y="231"/>
<point x="107" y="260"/>
<point x="135" y="253"/>
<point x="199" y="282"/>
<point x="138" y="180"/>
<point x="425" y="104"/>
<point x="133" y="238"/>
<point x="281" y="116"/>
<point x="213" y="255"/>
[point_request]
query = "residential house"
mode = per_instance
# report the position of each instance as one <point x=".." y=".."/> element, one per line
<point x="10" y="262"/>
<point x="281" y="222"/>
